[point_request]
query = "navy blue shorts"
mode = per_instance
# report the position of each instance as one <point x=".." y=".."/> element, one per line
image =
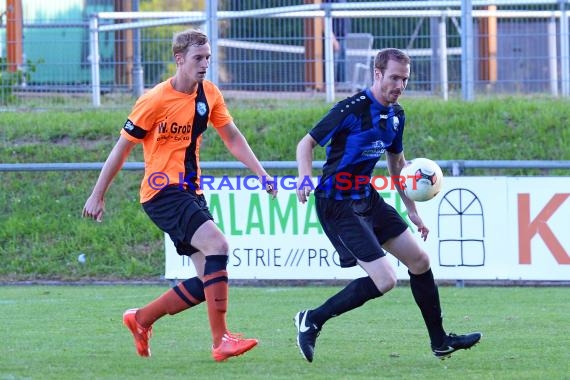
<point x="357" y="228"/>
<point x="179" y="213"/>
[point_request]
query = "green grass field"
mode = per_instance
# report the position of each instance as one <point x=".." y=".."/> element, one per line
<point x="76" y="332"/>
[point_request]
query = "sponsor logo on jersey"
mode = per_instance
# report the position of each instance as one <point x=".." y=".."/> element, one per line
<point x="376" y="150"/>
<point x="129" y="126"/>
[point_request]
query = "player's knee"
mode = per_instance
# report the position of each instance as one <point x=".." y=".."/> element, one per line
<point x="222" y="247"/>
<point x="421" y="264"/>
<point x="217" y="247"/>
<point x="386" y="282"/>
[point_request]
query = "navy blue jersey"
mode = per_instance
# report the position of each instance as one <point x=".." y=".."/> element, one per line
<point x="360" y="130"/>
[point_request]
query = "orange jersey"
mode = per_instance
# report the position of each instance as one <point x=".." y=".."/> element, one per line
<point x="170" y="124"/>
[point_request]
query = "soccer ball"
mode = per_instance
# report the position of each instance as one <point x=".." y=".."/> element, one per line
<point x="422" y="179"/>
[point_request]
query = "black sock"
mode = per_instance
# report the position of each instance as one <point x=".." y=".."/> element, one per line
<point x="426" y="295"/>
<point x="355" y="294"/>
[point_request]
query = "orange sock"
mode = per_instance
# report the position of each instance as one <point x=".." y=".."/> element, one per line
<point x="216" y="292"/>
<point x="181" y="297"/>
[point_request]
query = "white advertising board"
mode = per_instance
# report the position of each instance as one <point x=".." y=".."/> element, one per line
<point x="480" y="228"/>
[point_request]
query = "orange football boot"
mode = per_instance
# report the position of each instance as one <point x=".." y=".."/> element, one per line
<point x="141" y="335"/>
<point x="232" y="345"/>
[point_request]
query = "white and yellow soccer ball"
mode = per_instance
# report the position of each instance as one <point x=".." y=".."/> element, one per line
<point x="422" y="178"/>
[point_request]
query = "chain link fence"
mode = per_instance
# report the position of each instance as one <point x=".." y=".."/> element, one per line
<point x="77" y="53"/>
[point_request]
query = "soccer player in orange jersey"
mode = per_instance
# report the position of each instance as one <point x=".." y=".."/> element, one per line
<point x="169" y="121"/>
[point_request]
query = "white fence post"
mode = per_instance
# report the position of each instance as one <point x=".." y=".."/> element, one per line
<point x="212" y="32"/>
<point x="564" y="49"/>
<point x="467" y="72"/>
<point x="552" y="61"/>
<point x="329" y="56"/>
<point x="138" y="71"/>
<point x="443" y="57"/>
<point x="94" y="59"/>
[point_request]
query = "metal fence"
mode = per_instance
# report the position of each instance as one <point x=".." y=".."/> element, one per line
<point x="453" y="167"/>
<point x="78" y="53"/>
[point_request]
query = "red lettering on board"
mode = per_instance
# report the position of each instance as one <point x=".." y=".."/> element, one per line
<point x="539" y="225"/>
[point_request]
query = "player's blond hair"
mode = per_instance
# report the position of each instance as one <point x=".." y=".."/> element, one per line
<point x="182" y="41"/>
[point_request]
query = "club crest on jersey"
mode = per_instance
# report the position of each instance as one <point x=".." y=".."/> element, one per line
<point x="201" y="108"/>
<point x="395" y="123"/>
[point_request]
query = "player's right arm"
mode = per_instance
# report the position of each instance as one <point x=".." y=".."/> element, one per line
<point x="305" y="164"/>
<point x="95" y="204"/>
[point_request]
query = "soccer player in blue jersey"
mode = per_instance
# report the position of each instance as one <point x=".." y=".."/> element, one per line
<point x="359" y="224"/>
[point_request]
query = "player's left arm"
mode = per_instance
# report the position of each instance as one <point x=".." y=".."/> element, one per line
<point x="240" y="149"/>
<point x="395" y="162"/>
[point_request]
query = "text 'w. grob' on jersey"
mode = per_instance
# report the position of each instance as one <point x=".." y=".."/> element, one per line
<point x="170" y="124"/>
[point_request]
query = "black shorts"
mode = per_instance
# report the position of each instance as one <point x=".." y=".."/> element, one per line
<point x="358" y="228"/>
<point x="179" y="213"/>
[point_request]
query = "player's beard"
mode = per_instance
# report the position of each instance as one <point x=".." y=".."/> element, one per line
<point x="200" y="76"/>
<point x="394" y="95"/>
